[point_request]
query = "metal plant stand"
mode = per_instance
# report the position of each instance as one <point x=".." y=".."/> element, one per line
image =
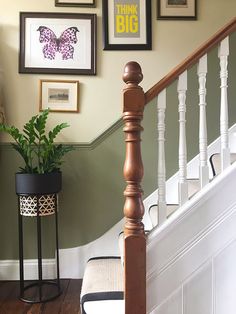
<point x="38" y="205"/>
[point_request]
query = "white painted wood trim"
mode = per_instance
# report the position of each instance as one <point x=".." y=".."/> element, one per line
<point x="186" y="241"/>
<point x="223" y="54"/>
<point x="203" y="157"/>
<point x="193" y="172"/>
<point x="207" y="248"/>
<point x="183" y="185"/>
<point x="200" y="198"/>
<point x="209" y="200"/>
<point x="9" y="269"/>
<point x="161" y="174"/>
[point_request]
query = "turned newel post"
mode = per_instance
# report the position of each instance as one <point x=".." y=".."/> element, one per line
<point x="134" y="239"/>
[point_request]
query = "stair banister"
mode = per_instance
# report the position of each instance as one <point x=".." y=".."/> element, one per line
<point x="183" y="185"/>
<point x="223" y="54"/>
<point x="134" y="102"/>
<point x="161" y="173"/>
<point x="203" y="166"/>
<point x="190" y="60"/>
<point x="134" y="235"/>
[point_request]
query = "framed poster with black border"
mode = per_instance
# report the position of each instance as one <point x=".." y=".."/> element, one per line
<point x="57" y="43"/>
<point x="127" y="25"/>
<point x="176" y="9"/>
<point x="75" y="3"/>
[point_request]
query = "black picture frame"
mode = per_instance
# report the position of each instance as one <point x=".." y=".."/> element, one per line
<point x="137" y="25"/>
<point x="184" y="10"/>
<point x="50" y="43"/>
<point x="77" y="3"/>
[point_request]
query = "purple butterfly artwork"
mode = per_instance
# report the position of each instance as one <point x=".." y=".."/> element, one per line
<point x="62" y="45"/>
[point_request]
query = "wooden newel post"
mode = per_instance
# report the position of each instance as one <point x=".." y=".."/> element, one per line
<point x="134" y="239"/>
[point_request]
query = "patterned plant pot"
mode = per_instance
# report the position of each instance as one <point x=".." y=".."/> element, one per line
<point x="38" y="193"/>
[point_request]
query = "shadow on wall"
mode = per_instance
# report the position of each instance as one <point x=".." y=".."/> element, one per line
<point x="14" y="83"/>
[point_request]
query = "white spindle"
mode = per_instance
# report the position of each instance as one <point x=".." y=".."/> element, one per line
<point x="161" y="107"/>
<point x="223" y="53"/>
<point x="203" y="166"/>
<point x="183" y="185"/>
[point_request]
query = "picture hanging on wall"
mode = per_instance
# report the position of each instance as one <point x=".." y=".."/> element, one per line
<point x="127" y="25"/>
<point x="177" y="9"/>
<point x="59" y="96"/>
<point x="57" y="43"/>
<point x="75" y="3"/>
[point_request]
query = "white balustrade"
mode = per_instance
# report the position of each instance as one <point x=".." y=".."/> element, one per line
<point x="183" y="185"/>
<point x="203" y="166"/>
<point x="161" y="107"/>
<point x="223" y="54"/>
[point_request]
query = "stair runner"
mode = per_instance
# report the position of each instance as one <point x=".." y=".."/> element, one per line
<point x="102" y="289"/>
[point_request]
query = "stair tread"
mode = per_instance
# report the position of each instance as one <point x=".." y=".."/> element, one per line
<point x="215" y="162"/>
<point x="102" y="282"/>
<point x="102" y="274"/>
<point x="170" y="209"/>
<point x="193" y="186"/>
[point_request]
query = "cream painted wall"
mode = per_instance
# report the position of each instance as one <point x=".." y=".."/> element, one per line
<point x="100" y="95"/>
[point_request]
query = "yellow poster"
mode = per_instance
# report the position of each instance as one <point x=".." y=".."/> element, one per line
<point x="127" y="18"/>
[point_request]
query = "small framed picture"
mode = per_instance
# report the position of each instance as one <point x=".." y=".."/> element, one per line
<point x="127" y="25"/>
<point x="75" y="3"/>
<point x="59" y="96"/>
<point x="57" y="43"/>
<point x="177" y="9"/>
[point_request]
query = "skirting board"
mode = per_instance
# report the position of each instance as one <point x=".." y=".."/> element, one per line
<point x="9" y="269"/>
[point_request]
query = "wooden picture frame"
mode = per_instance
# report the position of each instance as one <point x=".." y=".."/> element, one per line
<point x="57" y="43"/>
<point x="176" y="9"/>
<point x="75" y="3"/>
<point x="127" y="26"/>
<point x="59" y="95"/>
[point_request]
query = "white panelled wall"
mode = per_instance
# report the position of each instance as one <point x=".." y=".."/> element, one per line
<point x="191" y="258"/>
<point x="210" y="289"/>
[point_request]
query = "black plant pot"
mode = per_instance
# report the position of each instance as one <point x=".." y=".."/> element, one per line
<point x="38" y="192"/>
<point x="34" y="183"/>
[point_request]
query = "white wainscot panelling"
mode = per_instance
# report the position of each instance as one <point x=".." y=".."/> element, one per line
<point x="191" y="238"/>
<point x="197" y="292"/>
<point x="225" y="280"/>
<point x="173" y="305"/>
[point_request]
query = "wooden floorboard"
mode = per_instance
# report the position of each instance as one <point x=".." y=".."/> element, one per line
<point x="66" y="303"/>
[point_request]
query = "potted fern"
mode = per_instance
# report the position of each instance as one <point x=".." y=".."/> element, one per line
<point x="39" y="179"/>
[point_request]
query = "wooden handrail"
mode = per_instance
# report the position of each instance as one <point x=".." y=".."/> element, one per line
<point x="191" y="60"/>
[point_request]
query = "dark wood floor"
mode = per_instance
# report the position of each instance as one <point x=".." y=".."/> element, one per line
<point x="66" y="303"/>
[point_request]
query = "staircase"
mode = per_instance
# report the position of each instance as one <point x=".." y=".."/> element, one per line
<point x="186" y="263"/>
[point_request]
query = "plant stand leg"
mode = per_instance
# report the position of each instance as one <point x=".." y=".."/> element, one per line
<point x="57" y="247"/>
<point x="21" y="254"/>
<point x="39" y="254"/>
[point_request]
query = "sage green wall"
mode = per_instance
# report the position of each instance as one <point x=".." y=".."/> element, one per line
<point x="92" y="201"/>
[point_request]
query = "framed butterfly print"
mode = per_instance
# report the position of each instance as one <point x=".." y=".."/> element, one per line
<point x="57" y="43"/>
<point x="59" y="96"/>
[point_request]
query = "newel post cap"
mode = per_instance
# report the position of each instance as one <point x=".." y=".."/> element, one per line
<point x="132" y="73"/>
